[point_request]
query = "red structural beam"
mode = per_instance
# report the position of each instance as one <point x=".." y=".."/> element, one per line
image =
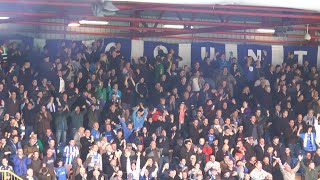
<point x="238" y="40"/>
<point x="305" y="28"/>
<point x="175" y="9"/>
<point x="11" y="30"/>
<point x="261" y="34"/>
<point x="130" y="19"/>
<point x="137" y="4"/>
<point x="223" y="28"/>
<point x="235" y="13"/>
<point x="105" y="26"/>
<point x="166" y="30"/>
<point x="217" y="6"/>
<point x="165" y="21"/>
<point x="34" y="14"/>
<point x="49" y="3"/>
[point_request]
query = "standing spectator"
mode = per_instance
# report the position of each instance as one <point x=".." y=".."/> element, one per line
<point x="311" y="172"/>
<point x="286" y="170"/>
<point x="20" y="163"/>
<point x="77" y="118"/>
<point x="44" y="121"/>
<point x="48" y="163"/>
<point x="5" y="165"/>
<point x="70" y="153"/>
<point x="138" y="117"/>
<point x="308" y="139"/>
<point x="31" y="147"/>
<point x="13" y="104"/>
<point x="36" y="163"/>
<point x="86" y="143"/>
<point x="61" y="124"/>
<point x="30" y="175"/>
<point x="258" y="173"/>
<point x="60" y="171"/>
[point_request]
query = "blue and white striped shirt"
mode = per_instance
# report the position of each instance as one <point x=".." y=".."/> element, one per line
<point x="70" y="152"/>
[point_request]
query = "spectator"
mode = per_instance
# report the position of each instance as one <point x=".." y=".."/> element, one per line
<point x="70" y="153"/>
<point x="311" y="172"/>
<point x="36" y="163"/>
<point x="30" y="175"/>
<point x="5" y="165"/>
<point x="21" y="162"/>
<point x="308" y="138"/>
<point x="61" y="172"/>
<point x="138" y="117"/>
<point x="86" y="143"/>
<point x="258" y="173"/>
<point x="182" y="123"/>
<point x="286" y="170"/>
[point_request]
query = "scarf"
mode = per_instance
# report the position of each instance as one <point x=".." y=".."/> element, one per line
<point x="305" y="140"/>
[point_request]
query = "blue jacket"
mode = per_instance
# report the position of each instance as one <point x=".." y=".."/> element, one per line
<point x="117" y="92"/>
<point x="96" y="134"/>
<point x="224" y="63"/>
<point x="61" y="173"/>
<point x="110" y="135"/>
<point x="127" y="132"/>
<point x="139" y="121"/>
<point x="20" y="165"/>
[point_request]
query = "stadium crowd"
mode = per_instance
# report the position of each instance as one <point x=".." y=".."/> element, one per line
<point x="84" y="113"/>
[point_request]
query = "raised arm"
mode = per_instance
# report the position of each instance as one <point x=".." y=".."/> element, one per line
<point x="295" y="169"/>
<point x="155" y="172"/>
<point x="134" y="114"/>
<point x="298" y="132"/>
<point x="123" y="124"/>
<point x="145" y="113"/>
<point x="127" y="155"/>
<point x="301" y="162"/>
<point x="138" y="168"/>
<point x="143" y="170"/>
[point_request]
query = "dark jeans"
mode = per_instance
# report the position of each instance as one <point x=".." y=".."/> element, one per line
<point x="29" y="129"/>
<point x="295" y="149"/>
<point x="61" y="136"/>
<point x="163" y="160"/>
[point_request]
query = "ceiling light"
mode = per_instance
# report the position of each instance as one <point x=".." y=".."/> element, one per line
<point x="271" y="31"/>
<point x="307" y="36"/>
<point x="175" y="26"/>
<point x="4" y="18"/>
<point x="93" y="22"/>
<point x="74" y="24"/>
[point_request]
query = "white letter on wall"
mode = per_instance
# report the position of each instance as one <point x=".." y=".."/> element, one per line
<point x="253" y="55"/>
<point x="211" y="54"/>
<point x="300" y="55"/>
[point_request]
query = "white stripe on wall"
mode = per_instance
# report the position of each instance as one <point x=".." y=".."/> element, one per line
<point x="277" y="54"/>
<point x="231" y="48"/>
<point x="137" y="48"/>
<point x="185" y="53"/>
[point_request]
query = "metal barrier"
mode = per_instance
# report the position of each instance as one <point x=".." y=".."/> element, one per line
<point x="9" y="175"/>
